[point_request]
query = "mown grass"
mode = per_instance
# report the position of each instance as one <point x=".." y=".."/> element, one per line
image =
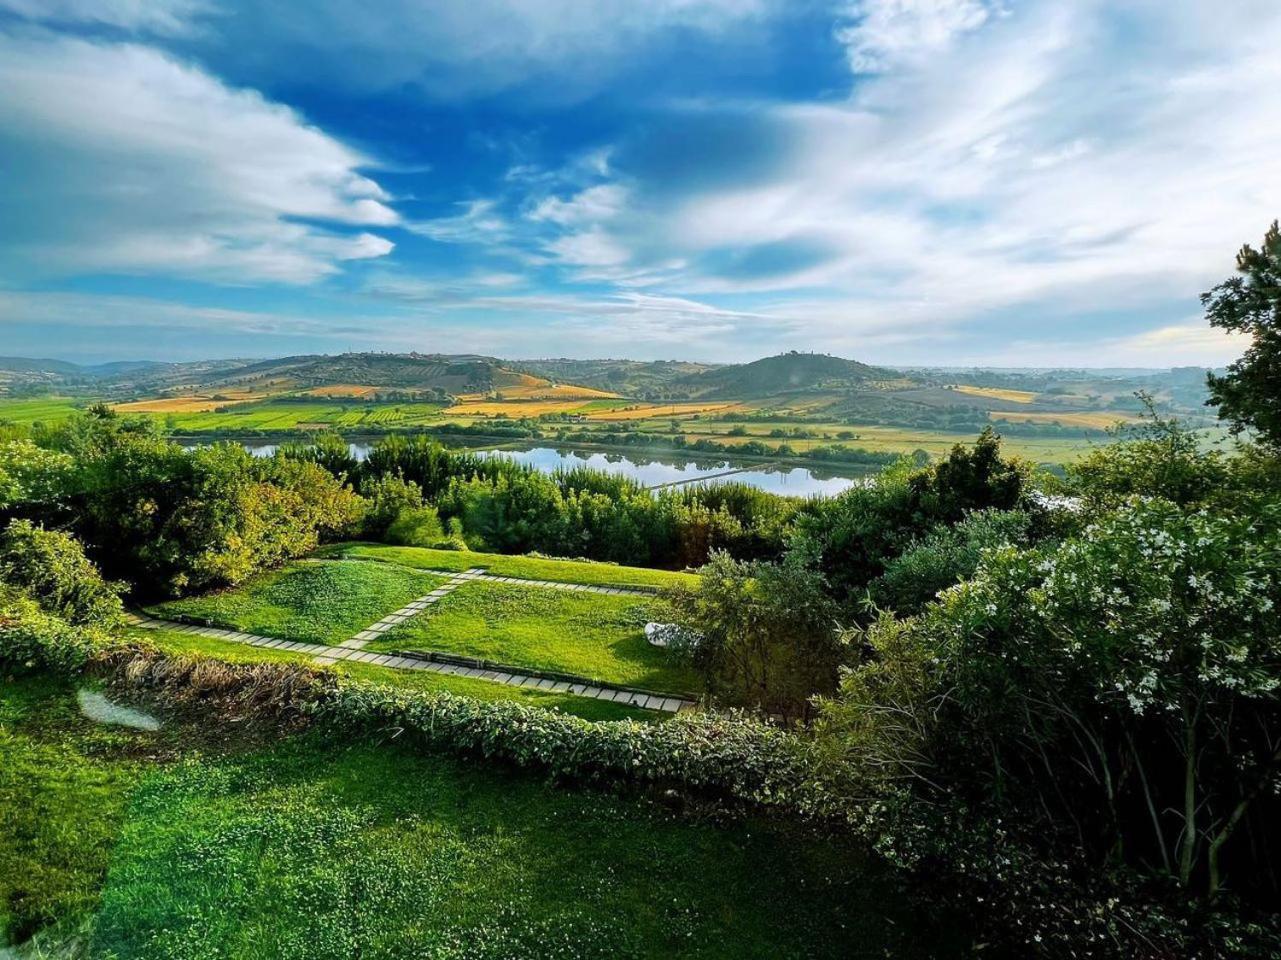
<point x="375" y="851"/>
<point x="589" y="635"/>
<point x="309" y="601"/>
<point x="63" y="788"/>
<point x="146" y="848"/>
<point x="524" y="567"/>
<point x="186" y="644"/>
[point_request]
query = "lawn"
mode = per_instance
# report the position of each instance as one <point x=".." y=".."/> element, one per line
<point x="63" y="784"/>
<point x="524" y="567"/>
<point x="317" y="602"/>
<point x="589" y="635"/>
<point x="307" y="848"/>
<point x="188" y="644"/>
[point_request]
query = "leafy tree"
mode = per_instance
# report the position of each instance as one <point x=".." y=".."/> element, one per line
<point x="852" y="538"/>
<point x="1249" y="395"/>
<point x="51" y="568"/>
<point x="768" y="633"/>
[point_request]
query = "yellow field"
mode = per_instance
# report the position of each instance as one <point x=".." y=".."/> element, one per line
<point x="180" y="404"/>
<point x="342" y="390"/>
<point x="511" y="408"/>
<point x="1098" y="421"/>
<point x="646" y="411"/>
<point x="997" y="393"/>
<point x="539" y="391"/>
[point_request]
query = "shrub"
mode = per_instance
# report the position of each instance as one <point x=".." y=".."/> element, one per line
<point x="946" y="555"/>
<point x="767" y="633"/>
<point x="417" y="527"/>
<point x="52" y="569"/>
<point x="388" y="496"/>
<point x="33" y="639"/>
<point x="1111" y="702"/>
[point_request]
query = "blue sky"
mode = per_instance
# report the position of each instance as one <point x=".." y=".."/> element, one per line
<point x="998" y="182"/>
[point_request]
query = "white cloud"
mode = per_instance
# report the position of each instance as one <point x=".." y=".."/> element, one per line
<point x="120" y="158"/>
<point x="1048" y="162"/>
<point x="160" y="17"/>
<point x="881" y="34"/>
<point x="1192" y="343"/>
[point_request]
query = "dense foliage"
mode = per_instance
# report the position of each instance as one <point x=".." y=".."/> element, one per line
<point x="1249" y="395"/>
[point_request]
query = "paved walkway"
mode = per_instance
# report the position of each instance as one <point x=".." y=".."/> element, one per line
<point x="478" y="573"/>
<point x="349" y="650"/>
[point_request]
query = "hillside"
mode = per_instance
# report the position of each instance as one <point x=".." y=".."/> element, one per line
<point x="786" y="373"/>
<point x="645" y="380"/>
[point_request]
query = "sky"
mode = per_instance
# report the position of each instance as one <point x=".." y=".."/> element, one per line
<point x="914" y="182"/>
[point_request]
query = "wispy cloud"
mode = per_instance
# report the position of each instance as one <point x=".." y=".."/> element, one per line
<point x="880" y="34"/>
<point x="120" y="158"/>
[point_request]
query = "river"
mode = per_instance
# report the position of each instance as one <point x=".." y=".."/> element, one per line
<point x="657" y="470"/>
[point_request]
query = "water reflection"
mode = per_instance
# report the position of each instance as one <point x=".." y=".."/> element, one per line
<point x="657" y="470"/>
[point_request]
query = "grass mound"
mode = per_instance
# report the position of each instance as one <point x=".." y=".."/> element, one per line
<point x="589" y="635"/>
<point x="587" y="572"/>
<point x="316" y="602"/>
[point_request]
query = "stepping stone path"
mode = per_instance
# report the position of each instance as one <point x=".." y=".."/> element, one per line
<point x="353" y="649"/>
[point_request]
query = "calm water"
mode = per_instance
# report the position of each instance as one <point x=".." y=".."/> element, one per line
<point x="653" y="471"/>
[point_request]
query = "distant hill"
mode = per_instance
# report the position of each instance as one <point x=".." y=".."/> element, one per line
<point x="30" y="365"/>
<point x="646" y="380"/>
<point x="784" y="373"/>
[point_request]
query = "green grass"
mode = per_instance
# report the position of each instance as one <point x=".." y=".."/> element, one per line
<point x="589" y="635"/>
<point x="525" y="567"/>
<point x="187" y="644"/>
<point x="378" y="852"/>
<point x="63" y="788"/>
<point x="176" y="846"/>
<point x="311" y="601"/>
<point x="44" y="410"/>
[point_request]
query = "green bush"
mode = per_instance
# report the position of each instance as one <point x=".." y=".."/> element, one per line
<point x="34" y="639"/>
<point x="51" y="568"/>
<point x="946" y="555"/>
<point x="417" y="527"/>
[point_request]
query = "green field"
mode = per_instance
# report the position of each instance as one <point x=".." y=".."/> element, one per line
<point x="270" y="415"/>
<point x="524" y="567"/>
<point x="311" y="601"/>
<point x="187" y="644"/>
<point x="43" y="410"/>
<point x="185" y="845"/>
<point x="589" y="635"/>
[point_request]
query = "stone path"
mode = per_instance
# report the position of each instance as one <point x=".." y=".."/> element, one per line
<point x="478" y="574"/>
<point x="411" y="609"/>
<point x="325" y="654"/>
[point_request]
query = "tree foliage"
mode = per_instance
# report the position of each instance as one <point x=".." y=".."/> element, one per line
<point x="1249" y="394"/>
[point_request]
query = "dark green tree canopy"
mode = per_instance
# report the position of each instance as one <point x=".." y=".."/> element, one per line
<point x="1249" y="395"/>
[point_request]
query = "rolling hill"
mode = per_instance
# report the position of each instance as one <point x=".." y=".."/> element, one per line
<point x="786" y="373"/>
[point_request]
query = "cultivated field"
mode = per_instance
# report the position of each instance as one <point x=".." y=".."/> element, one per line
<point x="43" y="410"/>
<point x="998" y="393"/>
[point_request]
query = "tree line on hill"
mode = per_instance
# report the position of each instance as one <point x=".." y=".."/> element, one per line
<point x="1056" y="704"/>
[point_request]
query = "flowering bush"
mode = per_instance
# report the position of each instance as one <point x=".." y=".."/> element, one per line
<point x="1112" y="700"/>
